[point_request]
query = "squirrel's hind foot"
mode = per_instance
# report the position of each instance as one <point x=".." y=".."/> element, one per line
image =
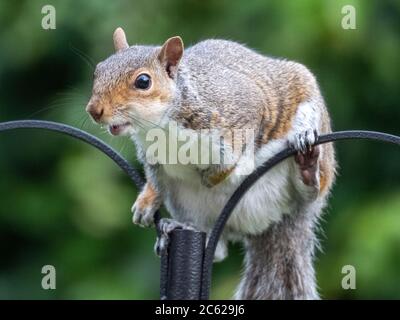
<point x="307" y="157"/>
<point x="308" y="163"/>
<point x="166" y="227"/>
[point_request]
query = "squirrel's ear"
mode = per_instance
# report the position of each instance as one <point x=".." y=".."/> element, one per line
<point x="170" y="55"/>
<point x="119" y="38"/>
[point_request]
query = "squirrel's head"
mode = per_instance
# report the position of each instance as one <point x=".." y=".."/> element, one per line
<point x="133" y="88"/>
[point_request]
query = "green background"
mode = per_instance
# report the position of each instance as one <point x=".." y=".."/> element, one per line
<point x="63" y="203"/>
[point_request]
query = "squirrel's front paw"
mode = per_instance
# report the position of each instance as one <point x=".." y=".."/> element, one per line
<point x="145" y="206"/>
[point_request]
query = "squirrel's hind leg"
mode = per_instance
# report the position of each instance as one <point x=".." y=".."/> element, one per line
<point x="166" y="226"/>
<point x="169" y="225"/>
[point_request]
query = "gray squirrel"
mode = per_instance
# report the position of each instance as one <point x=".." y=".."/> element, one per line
<point x="225" y="86"/>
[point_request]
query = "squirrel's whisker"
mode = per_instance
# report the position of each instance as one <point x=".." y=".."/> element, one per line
<point x="127" y="117"/>
<point x="84" y="121"/>
<point x="142" y="120"/>
<point x="88" y="60"/>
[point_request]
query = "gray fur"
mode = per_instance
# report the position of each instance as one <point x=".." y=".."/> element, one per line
<point x="279" y="262"/>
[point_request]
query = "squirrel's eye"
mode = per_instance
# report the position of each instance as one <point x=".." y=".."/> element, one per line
<point x="143" y="81"/>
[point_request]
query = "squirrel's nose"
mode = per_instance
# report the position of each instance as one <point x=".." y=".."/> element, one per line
<point x="95" y="110"/>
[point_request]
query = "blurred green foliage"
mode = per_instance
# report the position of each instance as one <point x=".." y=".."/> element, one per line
<point x="63" y="203"/>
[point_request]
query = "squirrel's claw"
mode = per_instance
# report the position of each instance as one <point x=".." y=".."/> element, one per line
<point x="143" y="216"/>
<point x="303" y="141"/>
<point x="166" y="227"/>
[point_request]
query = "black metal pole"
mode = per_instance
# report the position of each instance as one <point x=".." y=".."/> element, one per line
<point x="185" y="262"/>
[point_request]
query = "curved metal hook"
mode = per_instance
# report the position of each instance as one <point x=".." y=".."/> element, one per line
<point x="258" y="173"/>
<point x="81" y="135"/>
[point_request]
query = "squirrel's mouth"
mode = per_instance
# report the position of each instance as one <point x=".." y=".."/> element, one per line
<point x="118" y="129"/>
